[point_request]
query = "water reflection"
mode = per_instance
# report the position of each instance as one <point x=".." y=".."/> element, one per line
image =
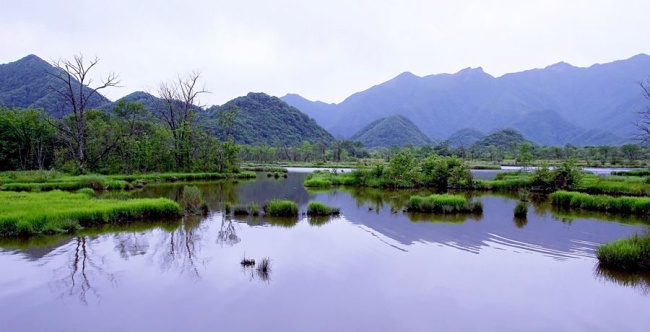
<point x="196" y="260"/>
<point x="637" y="281"/>
<point x="85" y="273"/>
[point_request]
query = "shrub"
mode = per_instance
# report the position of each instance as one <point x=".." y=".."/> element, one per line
<point x="281" y="208"/>
<point x="192" y="200"/>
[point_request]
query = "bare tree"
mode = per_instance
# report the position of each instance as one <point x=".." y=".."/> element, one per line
<point x="643" y="124"/>
<point x="178" y="111"/>
<point x="77" y="90"/>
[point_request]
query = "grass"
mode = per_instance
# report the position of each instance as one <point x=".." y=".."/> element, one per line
<point x="443" y="204"/>
<point x="36" y="181"/>
<point x="318" y="182"/>
<point x="281" y="208"/>
<point x="321" y="209"/>
<point x="521" y="210"/>
<point x="624" y="205"/>
<point x="269" y="169"/>
<point x="24" y="214"/>
<point x="632" y="254"/>
<point x="633" y="173"/>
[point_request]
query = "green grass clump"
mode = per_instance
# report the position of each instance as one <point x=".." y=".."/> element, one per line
<point x="240" y="210"/>
<point x="318" y="183"/>
<point x="281" y="208"/>
<point x="321" y="209"/>
<point x="255" y="209"/>
<point x="632" y="254"/>
<point x="443" y="204"/>
<point x="521" y="210"/>
<point x="23" y="214"/>
<point x="603" y="203"/>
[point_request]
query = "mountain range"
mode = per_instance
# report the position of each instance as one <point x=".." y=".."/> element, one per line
<point x="555" y="105"/>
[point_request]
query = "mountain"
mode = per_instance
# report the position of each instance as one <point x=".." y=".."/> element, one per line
<point x="506" y="139"/>
<point x="28" y="83"/>
<point x="324" y="114"/>
<point x="465" y="137"/>
<point x="555" y="105"/>
<point x="263" y="119"/>
<point x="395" y="130"/>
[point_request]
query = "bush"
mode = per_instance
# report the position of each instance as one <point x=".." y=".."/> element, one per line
<point x="631" y="254"/>
<point x="96" y="182"/>
<point x="281" y="208"/>
<point x="321" y="209"/>
<point x="192" y="200"/>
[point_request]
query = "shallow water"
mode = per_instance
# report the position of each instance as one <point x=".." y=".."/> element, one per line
<point x="372" y="268"/>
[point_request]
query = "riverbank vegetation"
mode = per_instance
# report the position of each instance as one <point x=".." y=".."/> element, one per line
<point x="631" y="254"/>
<point x="24" y="214"/>
<point x="639" y="206"/>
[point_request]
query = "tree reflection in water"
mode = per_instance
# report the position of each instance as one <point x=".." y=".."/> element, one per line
<point x="228" y="233"/>
<point x="178" y="249"/>
<point x="83" y="273"/>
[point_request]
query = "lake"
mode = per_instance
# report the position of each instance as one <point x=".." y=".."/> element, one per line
<point x="372" y="268"/>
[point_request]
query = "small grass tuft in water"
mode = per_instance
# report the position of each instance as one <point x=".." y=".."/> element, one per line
<point x="321" y="209"/>
<point x="521" y="210"/>
<point x="247" y="262"/>
<point x="443" y="204"/>
<point x="281" y="208"/>
<point x="632" y="254"/>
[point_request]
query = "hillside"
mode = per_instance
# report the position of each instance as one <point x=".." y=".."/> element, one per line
<point x="465" y="137"/>
<point x="263" y="119"/>
<point x="506" y="140"/>
<point x="555" y="105"/>
<point x="395" y="130"/>
<point x="27" y="83"/>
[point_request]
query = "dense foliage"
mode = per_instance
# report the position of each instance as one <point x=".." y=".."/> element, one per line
<point x="395" y="130"/>
<point x="263" y="119"/>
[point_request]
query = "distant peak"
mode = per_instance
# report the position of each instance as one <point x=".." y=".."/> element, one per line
<point x="470" y="70"/>
<point x="32" y="58"/>
<point x="406" y="75"/>
<point x="560" y="66"/>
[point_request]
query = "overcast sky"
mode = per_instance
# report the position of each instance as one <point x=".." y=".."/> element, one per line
<point x="322" y="50"/>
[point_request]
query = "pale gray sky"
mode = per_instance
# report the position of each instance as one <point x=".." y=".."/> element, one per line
<point x="322" y="50"/>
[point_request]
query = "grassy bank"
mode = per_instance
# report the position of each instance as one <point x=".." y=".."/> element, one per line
<point x="639" y="206"/>
<point x="443" y="204"/>
<point x="51" y="180"/>
<point x="632" y="254"/>
<point x="24" y="214"/>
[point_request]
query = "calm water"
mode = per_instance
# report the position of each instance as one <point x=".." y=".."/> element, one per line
<point x="373" y="268"/>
